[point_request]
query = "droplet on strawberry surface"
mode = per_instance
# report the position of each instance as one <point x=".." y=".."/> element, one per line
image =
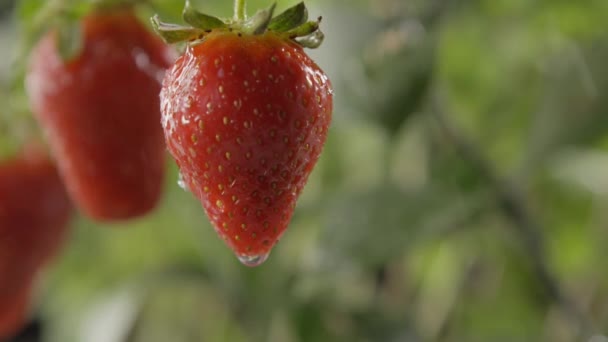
<point x="181" y="183"/>
<point x="253" y="260"/>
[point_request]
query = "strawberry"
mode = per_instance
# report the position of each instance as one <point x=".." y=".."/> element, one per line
<point x="100" y="112"/>
<point x="245" y="113"/>
<point x="13" y="311"/>
<point x="34" y="215"/>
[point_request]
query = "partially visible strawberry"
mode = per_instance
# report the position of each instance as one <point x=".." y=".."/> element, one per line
<point x="246" y="114"/>
<point x="34" y="215"/>
<point x="14" y="310"/>
<point x="100" y="111"/>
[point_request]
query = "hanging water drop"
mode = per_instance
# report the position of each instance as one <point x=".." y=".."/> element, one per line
<point x="252" y="260"/>
<point x="181" y="183"/>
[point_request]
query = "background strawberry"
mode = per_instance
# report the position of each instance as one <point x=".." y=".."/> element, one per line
<point x="14" y="310"/>
<point x="100" y="111"/>
<point x="245" y="114"/>
<point x="34" y="215"/>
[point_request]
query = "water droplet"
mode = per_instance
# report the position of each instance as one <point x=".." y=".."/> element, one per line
<point x="252" y="260"/>
<point x="185" y="120"/>
<point x="181" y="183"/>
<point x="308" y="81"/>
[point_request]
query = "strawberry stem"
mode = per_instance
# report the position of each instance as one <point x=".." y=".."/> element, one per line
<point x="239" y="10"/>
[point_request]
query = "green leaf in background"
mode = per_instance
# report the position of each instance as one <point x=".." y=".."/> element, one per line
<point x="579" y="80"/>
<point x="27" y="10"/>
<point x="396" y="72"/>
<point x="377" y="226"/>
<point x="185" y="309"/>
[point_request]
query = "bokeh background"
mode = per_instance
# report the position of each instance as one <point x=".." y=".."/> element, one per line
<point x="462" y="194"/>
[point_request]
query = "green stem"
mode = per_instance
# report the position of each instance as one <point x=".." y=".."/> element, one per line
<point x="239" y="10"/>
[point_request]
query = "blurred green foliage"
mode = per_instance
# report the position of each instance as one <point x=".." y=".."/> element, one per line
<point x="461" y="195"/>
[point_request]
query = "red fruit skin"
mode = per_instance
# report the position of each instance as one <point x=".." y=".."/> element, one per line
<point x="34" y="214"/>
<point x="100" y="112"/>
<point x="245" y="118"/>
<point x="14" y="311"/>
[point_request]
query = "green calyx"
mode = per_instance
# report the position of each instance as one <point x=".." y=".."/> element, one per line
<point x="64" y="16"/>
<point x="292" y="24"/>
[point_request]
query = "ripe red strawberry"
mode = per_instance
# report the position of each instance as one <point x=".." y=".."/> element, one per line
<point x="245" y="117"/>
<point x="13" y="311"/>
<point x="34" y="215"/>
<point x="100" y="111"/>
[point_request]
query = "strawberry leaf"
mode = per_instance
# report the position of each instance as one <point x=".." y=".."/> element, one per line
<point x="200" y="20"/>
<point x="290" y="18"/>
<point x="171" y="33"/>
<point x="69" y="39"/>
<point x="260" y="21"/>
<point x="312" y="41"/>
<point x="304" y="29"/>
